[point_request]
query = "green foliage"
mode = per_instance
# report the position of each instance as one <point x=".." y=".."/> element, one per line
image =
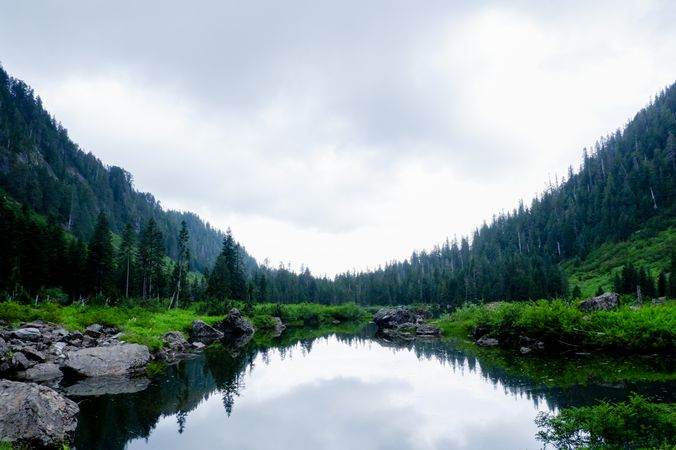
<point x="311" y="313"/>
<point x="263" y="322"/>
<point x="636" y="423"/>
<point x="651" y="327"/>
<point x="645" y="248"/>
<point x="155" y="369"/>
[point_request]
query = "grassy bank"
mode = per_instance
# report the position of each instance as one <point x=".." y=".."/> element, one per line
<point x="146" y="325"/>
<point x="644" y="248"/>
<point x="636" y="423"/>
<point x="557" y="323"/>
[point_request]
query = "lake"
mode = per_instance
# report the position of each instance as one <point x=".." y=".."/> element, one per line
<point x="351" y="390"/>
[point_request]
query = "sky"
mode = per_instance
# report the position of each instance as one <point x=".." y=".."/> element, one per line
<point x="341" y="135"/>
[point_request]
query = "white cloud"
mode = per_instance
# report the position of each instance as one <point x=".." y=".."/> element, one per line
<point x="343" y="136"/>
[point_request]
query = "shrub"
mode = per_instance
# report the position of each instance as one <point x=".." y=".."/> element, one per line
<point x="636" y="423"/>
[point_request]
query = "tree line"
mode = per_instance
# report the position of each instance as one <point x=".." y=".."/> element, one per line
<point x="626" y="182"/>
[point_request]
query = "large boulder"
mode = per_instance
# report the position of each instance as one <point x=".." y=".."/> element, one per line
<point x="175" y="341"/>
<point x="393" y="317"/>
<point x="35" y="416"/>
<point x="28" y="334"/>
<point x="111" y="360"/>
<point x="201" y="332"/>
<point x="235" y="325"/>
<point x="603" y="302"/>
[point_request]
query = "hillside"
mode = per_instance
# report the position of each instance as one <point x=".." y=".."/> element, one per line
<point x="617" y="208"/>
<point x="41" y="167"/>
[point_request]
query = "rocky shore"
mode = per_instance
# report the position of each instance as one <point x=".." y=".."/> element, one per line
<point x="404" y="323"/>
<point x="41" y="364"/>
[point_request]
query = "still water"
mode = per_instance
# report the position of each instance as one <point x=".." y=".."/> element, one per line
<point x="341" y="391"/>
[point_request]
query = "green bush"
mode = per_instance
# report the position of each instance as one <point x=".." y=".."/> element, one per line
<point x="636" y="423"/>
<point x="650" y="327"/>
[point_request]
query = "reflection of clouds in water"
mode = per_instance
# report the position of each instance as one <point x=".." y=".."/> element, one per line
<point x="357" y="394"/>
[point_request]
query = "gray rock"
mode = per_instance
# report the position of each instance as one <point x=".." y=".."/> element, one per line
<point x="88" y="341"/>
<point x="175" y="341"/>
<point x="107" y="386"/>
<point x="41" y="372"/>
<point x="525" y="350"/>
<point x="4" y="348"/>
<point x="35" y="416"/>
<point x="425" y="329"/>
<point x="101" y="361"/>
<point x="20" y="362"/>
<point x="392" y="317"/>
<point x="201" y="332"/>
<point x="28" y="334"/>
<point x="94" y="331"/>
<point x="603" y="302"/>
<point x="235" y="325"/>
<point x="59" y="334"/>
<point x="32" y="353"/>
<point x="198" y="345"/>
<point x="279" y="326"/>
<point x="486" y="341"/>
<point x="58" y="348"/>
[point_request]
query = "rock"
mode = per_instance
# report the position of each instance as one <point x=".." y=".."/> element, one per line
<point x="175" y="346"/>
<point x="74" y="338"/>
<point x="28" y="334"/>
<point x="4" y="348"/>
<point x="59" y="334"/>
<point x="477" y="332"/>
<point x="486" y="341"/>
<point x="20" y="362"/>
<point x="175" y="341"/>
<point x="235" y="325"/>
<point x="113" y="360"/>
<point x="88" y="341"/>
<point x="525" y="350"/>
<point x="35" y="416"/>
<point x="425" y="329"/>
<point x="198" y="345"/>
<point x="107" y="386"/>
<point x="58" y="348"/>
<point x="603" y="302"/>
<point x="94" y="331"/>
<point x="201" y="332"/>
<point x="33" y="354"/>
<point x="392" y="317"/>
<point x="41" y="372"/>
<point x="279" y="326"/>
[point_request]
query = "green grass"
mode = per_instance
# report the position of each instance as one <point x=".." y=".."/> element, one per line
<point x="645" y="248"/>
<point x="139" y="325"/>
<point x="146" y="325"/>
<point x="557" y="323"/>
<point x="636" y="423"/>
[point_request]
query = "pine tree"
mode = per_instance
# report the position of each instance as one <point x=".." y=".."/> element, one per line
<point x="126" y="260"/>
<point x="151" y="260"/>
<point x="672" y="276"/>
<point x="182" y="265"/>
<point x="100" y="258"/>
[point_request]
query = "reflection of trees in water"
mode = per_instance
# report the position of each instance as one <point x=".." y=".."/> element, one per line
<point x="109" y="422"/>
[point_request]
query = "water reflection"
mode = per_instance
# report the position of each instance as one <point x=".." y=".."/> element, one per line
<point x="340" y="391"/>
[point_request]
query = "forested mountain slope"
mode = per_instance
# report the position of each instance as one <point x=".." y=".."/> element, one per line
<point x="43" y="169"/>
<point x="626" y="183"/>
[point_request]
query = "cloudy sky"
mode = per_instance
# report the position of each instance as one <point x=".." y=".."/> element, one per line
<point x="341" y="134"/>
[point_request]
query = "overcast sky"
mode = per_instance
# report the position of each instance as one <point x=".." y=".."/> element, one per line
<point x="341" y="134"/>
